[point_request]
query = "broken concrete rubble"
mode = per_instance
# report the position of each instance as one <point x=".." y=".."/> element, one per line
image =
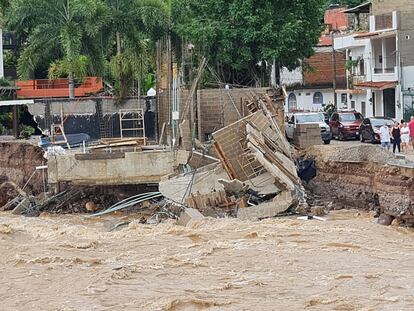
<point x="277" y="206"/>
<point x="256" y="158"/>
<point x="188" y="216"/>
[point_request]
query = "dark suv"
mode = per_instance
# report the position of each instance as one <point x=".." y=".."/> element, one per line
<point x="345" y="124"/>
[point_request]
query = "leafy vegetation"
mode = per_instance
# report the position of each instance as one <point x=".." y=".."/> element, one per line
<point x="116" y="39"/>
<point x="349" y="3"/>
<point x="27" y="132"/>
<point x="242" y="38"/>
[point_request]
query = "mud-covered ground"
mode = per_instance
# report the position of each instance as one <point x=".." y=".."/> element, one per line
<point x="69" y="263"/>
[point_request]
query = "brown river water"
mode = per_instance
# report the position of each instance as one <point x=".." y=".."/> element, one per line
<point x="70" y="263"/>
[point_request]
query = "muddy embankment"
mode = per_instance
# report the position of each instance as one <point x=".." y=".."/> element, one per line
<point x="18" y="161"/>
<point x="380" y="186"/>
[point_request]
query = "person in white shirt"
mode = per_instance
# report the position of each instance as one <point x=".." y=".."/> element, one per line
<point x="385" y="137"/>
<point x="405" y="135"/>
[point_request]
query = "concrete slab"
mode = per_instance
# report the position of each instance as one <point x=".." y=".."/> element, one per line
<point x="130" y="168"/>
<point x="279" y="205"/>
<point x="189" y="215"/>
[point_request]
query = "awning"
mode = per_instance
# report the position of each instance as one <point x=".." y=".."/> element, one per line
<point x="377" y="85"/>
<point x="362" y="8"/>
<point x="5" y="103"/>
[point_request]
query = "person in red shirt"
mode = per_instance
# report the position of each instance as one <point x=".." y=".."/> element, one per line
<point x="411" y="127"/>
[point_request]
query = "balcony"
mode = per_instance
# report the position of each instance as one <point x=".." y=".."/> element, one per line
<point x="57" y="88"/>
<point x="357" y="79"/>
<point x="384" y="60"/>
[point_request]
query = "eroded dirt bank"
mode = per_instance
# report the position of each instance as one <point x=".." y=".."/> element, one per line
<point x="18" y="161"/>
<point x="66" y="263"/>
<point x="351" y="181"/>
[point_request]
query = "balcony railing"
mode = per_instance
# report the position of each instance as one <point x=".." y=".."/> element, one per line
<point x="356" y="79"/>
<point x="57" y="88"/>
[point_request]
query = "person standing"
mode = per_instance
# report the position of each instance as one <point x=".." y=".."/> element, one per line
<point x="411" y="127"/>
<point x="385" y="137"/>
<point x="396" y="135"/>
<point x="405" y="136"/>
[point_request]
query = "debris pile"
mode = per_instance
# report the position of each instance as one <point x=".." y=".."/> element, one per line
<point x="256" y="176"/>
<point x="92" y="200"/>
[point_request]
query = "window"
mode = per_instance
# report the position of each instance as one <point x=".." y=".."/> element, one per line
<point x="292" y="103"/>
<point x="350" y="117"/>
<point x="309" y="118"/>
<point x="362" y="67"/>
<point x="344" y="99"/>
<point x="353" y="104"/>
<point x="318" y="98"/>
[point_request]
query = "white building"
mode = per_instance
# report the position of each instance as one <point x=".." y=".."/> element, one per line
<point x="380" y="64"/>
<point x="311" y="86"/>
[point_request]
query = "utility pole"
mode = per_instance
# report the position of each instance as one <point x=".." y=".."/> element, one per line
<point x="334" y="70"/>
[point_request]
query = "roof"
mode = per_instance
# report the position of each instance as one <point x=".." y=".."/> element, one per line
<point x="379" y="34"/>
<point x="377" y="85"/>
<point x="362" y="8"/>
<point x="325" y="41"/>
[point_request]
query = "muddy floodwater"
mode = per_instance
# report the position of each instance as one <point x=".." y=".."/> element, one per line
<point x="70" y="263"/>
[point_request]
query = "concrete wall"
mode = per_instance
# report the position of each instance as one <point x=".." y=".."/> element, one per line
<point x="220" y="107"/>
<point x="386" y="6"/>
<point x="130" y="168"/>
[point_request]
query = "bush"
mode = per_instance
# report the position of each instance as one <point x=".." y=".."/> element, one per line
<point x="27" y="132"/>
<point x="1" y="129"/>
<point x="329" y="109"/>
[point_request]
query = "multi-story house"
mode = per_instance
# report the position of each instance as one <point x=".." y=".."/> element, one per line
<point x="312" y="85"/>
<point x="380" y="60"/>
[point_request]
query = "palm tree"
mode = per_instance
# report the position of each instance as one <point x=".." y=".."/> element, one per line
<point x="131" y="26"/>
<point x="60" y="33"/>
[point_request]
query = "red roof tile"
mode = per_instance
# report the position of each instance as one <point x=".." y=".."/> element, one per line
<point x="382" y="85"/>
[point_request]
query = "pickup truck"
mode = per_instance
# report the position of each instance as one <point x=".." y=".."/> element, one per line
<point x="308" y="118"/>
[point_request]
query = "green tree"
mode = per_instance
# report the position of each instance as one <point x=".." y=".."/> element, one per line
<point x="133" y="26"/>
<point x="61" y="33"/>
<point x="242" y="38"/>
<point x="350" y="3"/>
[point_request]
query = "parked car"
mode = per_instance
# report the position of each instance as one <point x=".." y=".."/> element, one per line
<point x="370" y="128"/>
<point x="345" y="124"/>
<point x="308" y="118"/>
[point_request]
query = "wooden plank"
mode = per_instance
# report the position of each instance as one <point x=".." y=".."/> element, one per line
<point x="227" y="167"/>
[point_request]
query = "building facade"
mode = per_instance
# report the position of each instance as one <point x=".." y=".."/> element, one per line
<point x="311" y="86"/>
<point x="380" y="60"/>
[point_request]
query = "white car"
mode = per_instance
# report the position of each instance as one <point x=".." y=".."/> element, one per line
<point x="308" y="118"/>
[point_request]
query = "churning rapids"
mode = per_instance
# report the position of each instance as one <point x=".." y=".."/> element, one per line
<point x="70" y="263"/>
